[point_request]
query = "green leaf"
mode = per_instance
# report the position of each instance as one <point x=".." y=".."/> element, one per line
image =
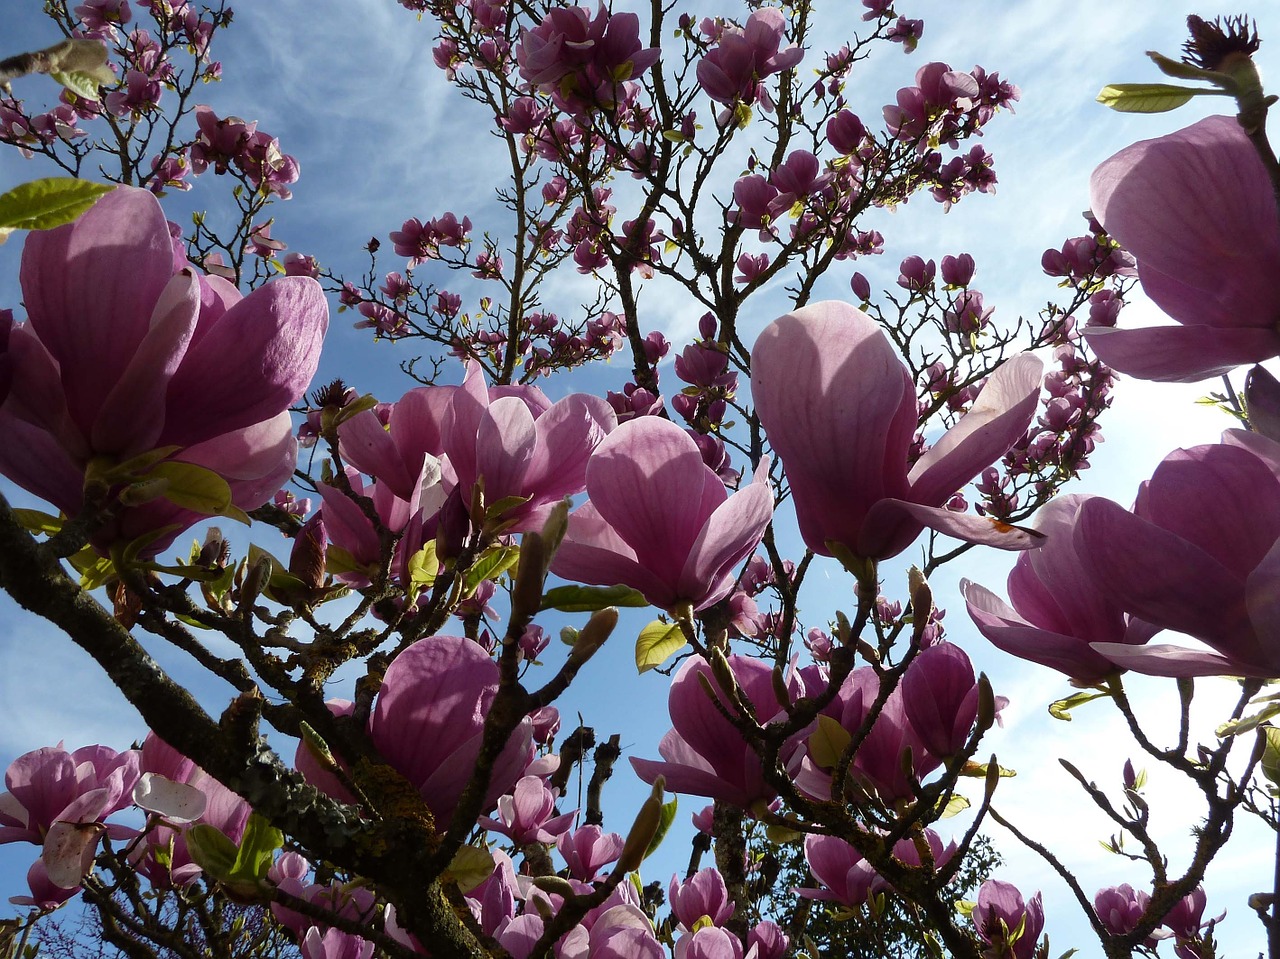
<point x="257" y="850"/>
<point x="424" y="567"/>
<point x="668" y="816"/>
<point x="589" y="599"/>
<point x="1062" y="708"/>
<point x="34" y="521"/>
<point x="44" y="204"/>
<point x="135" y="467"/>
<point x="491" y="564"/>
<point x="470" y="866"/>
<point x="83" y="85"/>
<point x="493" y="511"/>
<point x="657" y="643"/>
<point x="1271" y="754"/>
<point x="1254" y="720"/>
<point x="94" y="570"/>
<point x="1149" y="97"/>
<point x="194" y="487"/>
<point x="212" y="851"/>
<point x="955" y="805"/>
<point x="828" y="742"/>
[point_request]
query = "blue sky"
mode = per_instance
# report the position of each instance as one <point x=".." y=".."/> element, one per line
<point x="350" y="89"/>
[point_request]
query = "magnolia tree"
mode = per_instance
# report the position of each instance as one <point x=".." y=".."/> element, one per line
<point x="429" y="540"/>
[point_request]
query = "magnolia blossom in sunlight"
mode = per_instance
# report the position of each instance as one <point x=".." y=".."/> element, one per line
<point x="428" y="722"/>
<point x="840" y="410"/>
<point x="705" y="755"/>
<point x="128" y="349"/>
<point x="1056" y="609"/>
<point x="659" y="519"/>
<point x="1198" y="211"/>
<point x="1004" y="921"/>
<point x="522" y="445"/>
<point x="164" y="856"/>
<point x="1199" y="554"/>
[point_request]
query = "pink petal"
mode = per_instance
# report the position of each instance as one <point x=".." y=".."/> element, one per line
<point x="892" y="525"/>
<point x="1197" y="208"/>
<point x="281" y="327"/>
<point x="648" y="481"/>
<point x="998" y="419"/>
<point x="504" y="448"/>
<point x="1158" y="576"/>
<point x="1181" y="354"/>
<point x="730" y="535"/>
<point x="840" y="411"/>
<point x="1177" y="661"/>
<point x="132" y="415"/>
<point x="90" y="288"/>
<point x="366" y="445"/>
<point x="594" y="553"/>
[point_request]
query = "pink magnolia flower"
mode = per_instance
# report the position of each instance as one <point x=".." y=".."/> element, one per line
<point x="940" y="698"/>
<point x="581" y="60"/>
<point x="1010" y="926"/>
<point x="127" y="349"/>
<point x="1057" y="610"/>
<point x="840" y="410"/>
<point x="845" y="876"/>
<point x="659" y="520"/>
<point x="1213" y="574"/>
<point x="736" y="66"/>
<point x="703" y="894"/>
<point x="50" y="785"/>
<point x="224" y="810"/>
<point x="1198" y="211"/>
<point x="709" y="942"/>
<point x="428" y="722"/>
<point x="704" y="754"/>
<point x="588" y="850"/>
<point x="527" y="814"/>
<point x="1120" y="907"/>
<point x="522" y="445"/>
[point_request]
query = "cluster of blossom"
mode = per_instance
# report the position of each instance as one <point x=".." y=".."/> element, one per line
<point x="146" y="67"/>
<point x="222" y="143"/>
<point x="133" y="352"/>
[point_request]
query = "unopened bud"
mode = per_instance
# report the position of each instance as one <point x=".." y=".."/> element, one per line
<point x="526" y="595"/>
<point x="592" y="636"/>
<point x="255" y="581"/>
<point x="986" y="703"/>
<point x="648" y="819"/>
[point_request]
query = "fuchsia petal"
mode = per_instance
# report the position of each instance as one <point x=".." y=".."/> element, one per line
<point x="1000" y="624"/>
<point x="840" y="411"/>
<point x="366" y="445"/>
<point x="466" y="407"/>
<point x="1180" y="354"/>
<point x="256" y="361"/>
<point x="36" y="461"/>
<point x="1197" y="208"/>
<point x="132" y="415"/>
<point x="568" y="434"/>
<point x="504" y="448"/>
<point x="89" y="288"/>
<point x="892" y="525"/>
<point x="730" y="535"/>
<point x="1262" y="599"/>
<point x="997" y="419"/>
<point x="433" y="702"/>
<point x="1159" y="576"/>
<point x="1178" y="661"/>
<point x="1242" y="495"/>
<point x="641" y="482"/>
<point x="593" y="553"/>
